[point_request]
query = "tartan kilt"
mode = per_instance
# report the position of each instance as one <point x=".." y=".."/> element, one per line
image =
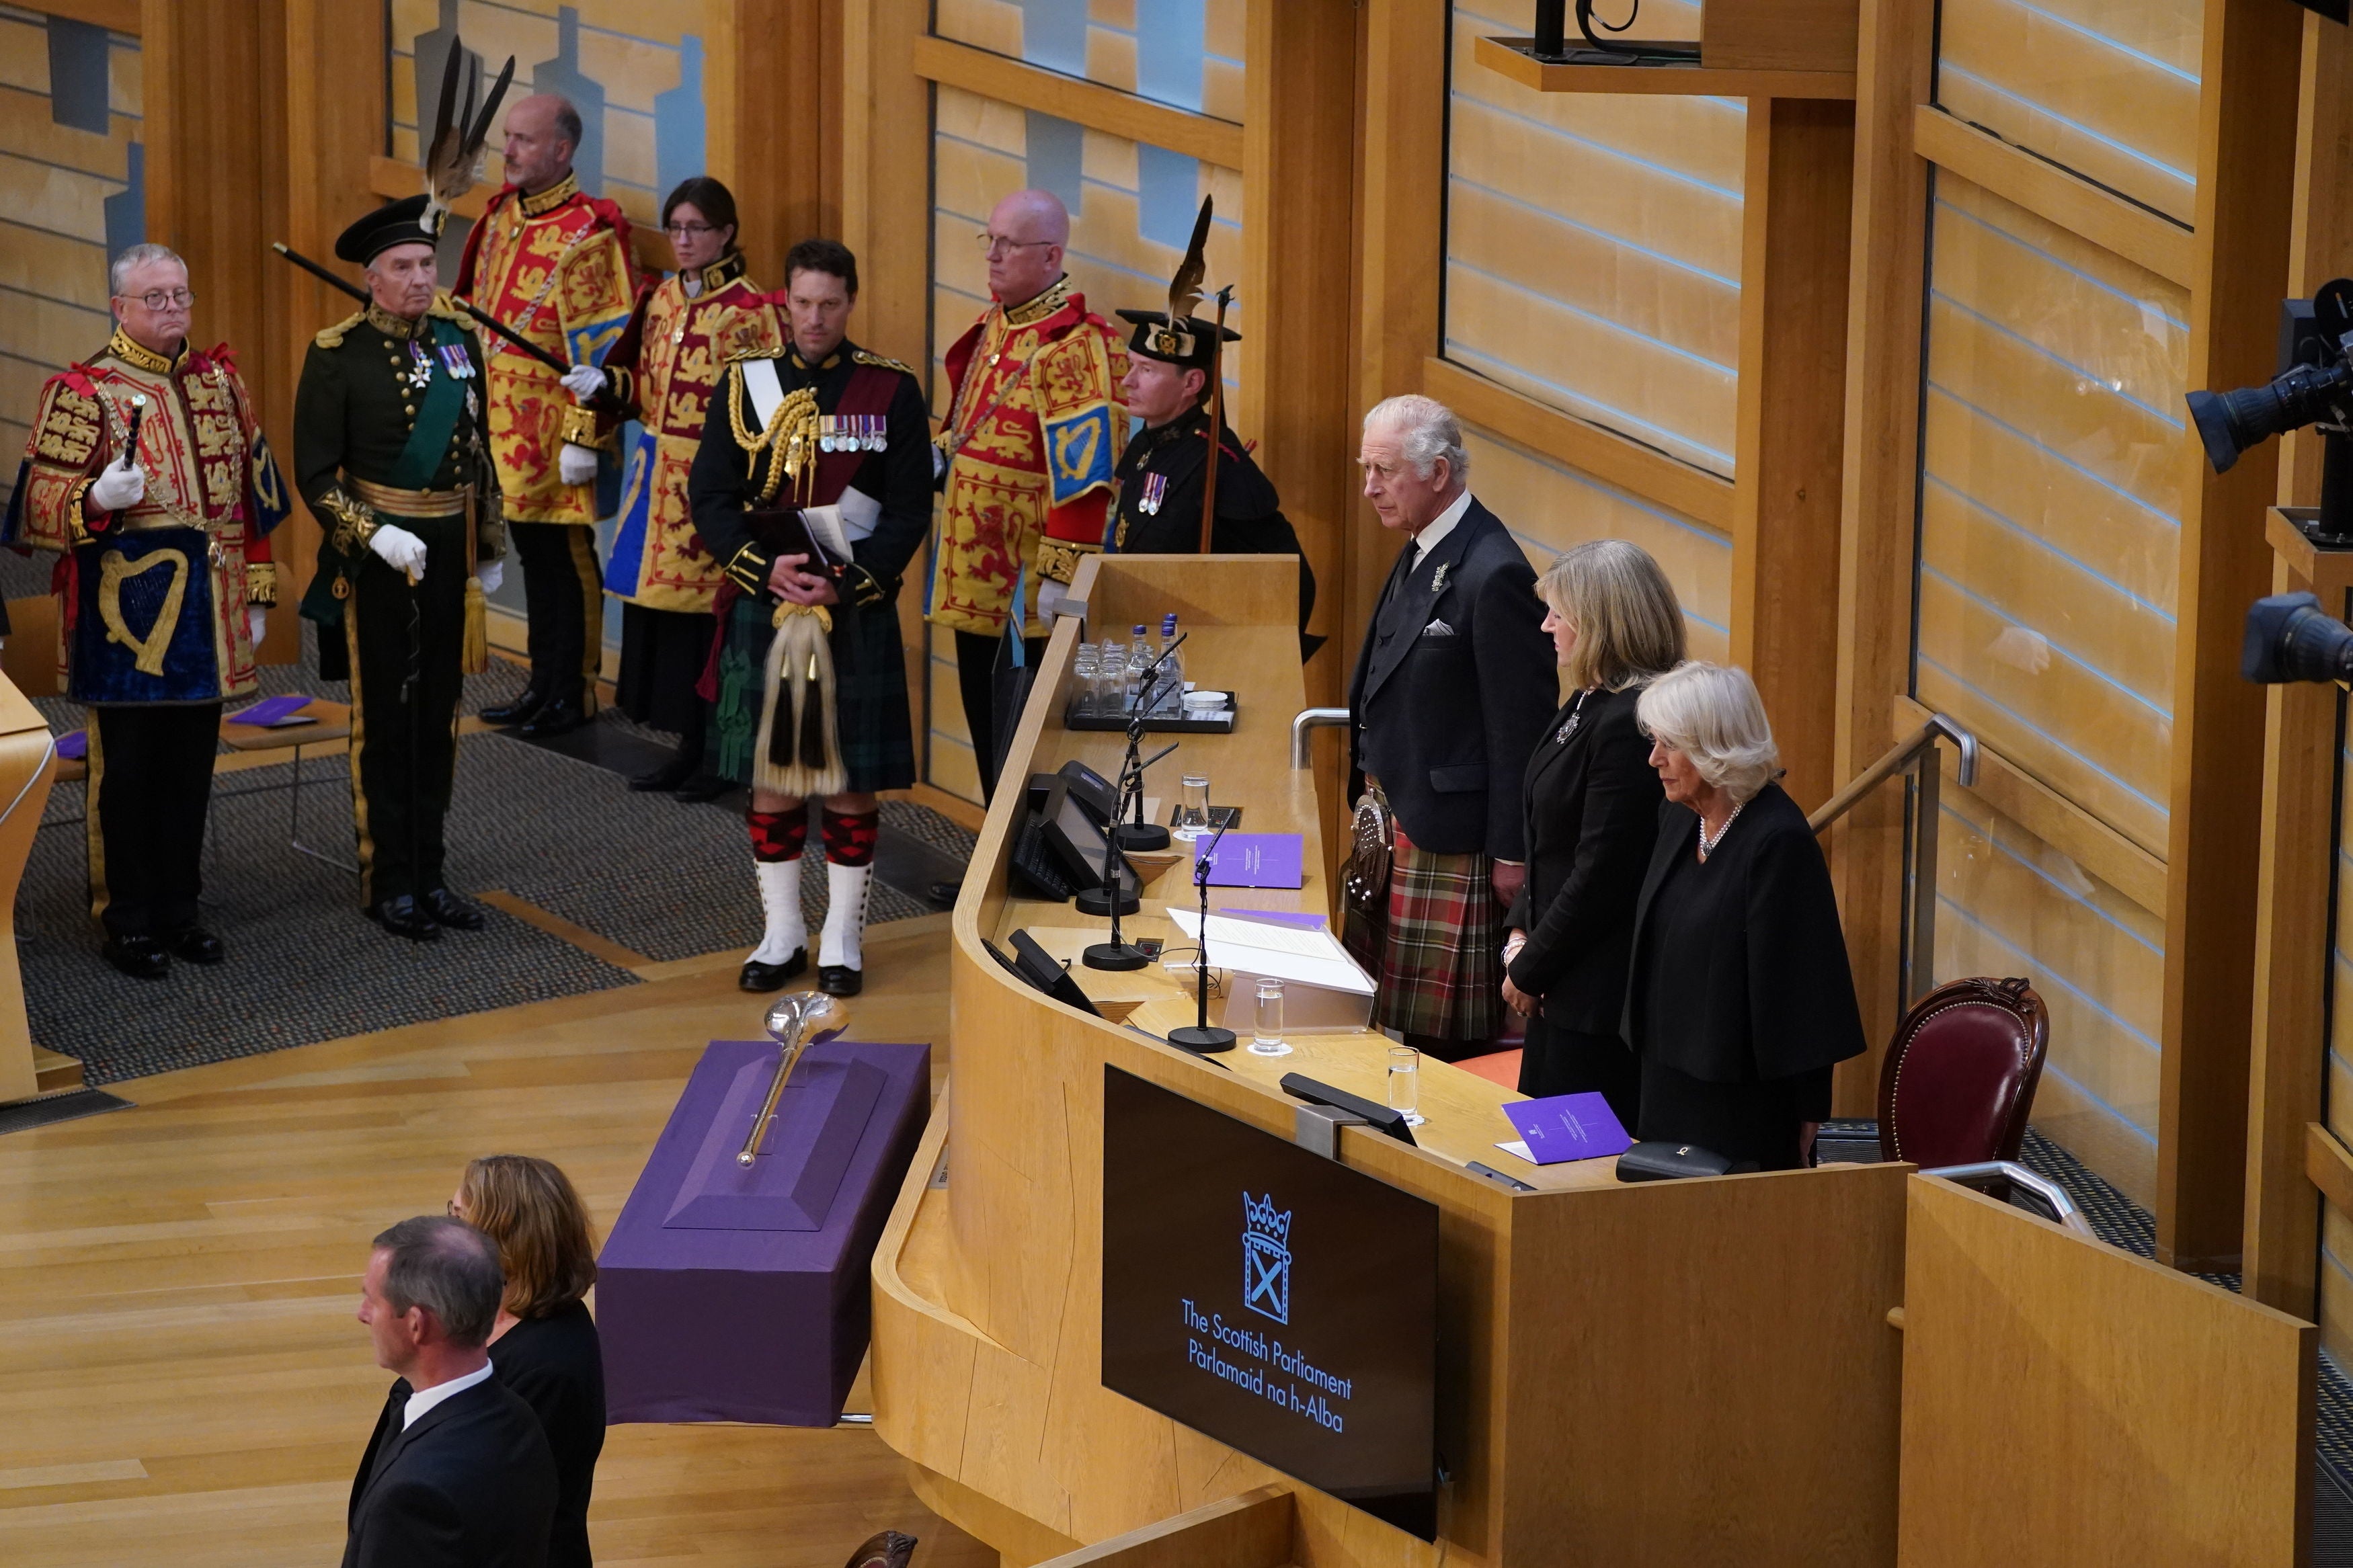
<point x="878" y="736"/>
<point x="1442" y="968"/>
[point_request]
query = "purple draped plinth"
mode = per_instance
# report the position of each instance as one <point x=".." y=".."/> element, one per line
<point x="734" y="1294"/>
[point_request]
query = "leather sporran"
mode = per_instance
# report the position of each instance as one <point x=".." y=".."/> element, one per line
<point x="1364" y="882"/>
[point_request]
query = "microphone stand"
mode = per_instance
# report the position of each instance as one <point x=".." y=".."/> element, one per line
<point x="1114" y="899"/>
<point x="1198" y="1036"/>
<point x="1140" y="834"/>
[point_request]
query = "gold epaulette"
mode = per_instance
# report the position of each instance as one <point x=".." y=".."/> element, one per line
<point x="755" y="354"/>
<point x="442" y="307"/>
<point x="866" y="356"/>
<point x="332" y="337"/>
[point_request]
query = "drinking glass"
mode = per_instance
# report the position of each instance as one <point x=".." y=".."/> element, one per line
<point x="1405" y="1083"/>
<point x="1266" y="1038"/>
<point x="1085" y="676"/>
<point x="1193" y="807"/>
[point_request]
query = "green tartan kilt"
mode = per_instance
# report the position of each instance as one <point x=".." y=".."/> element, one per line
<point x="878" y="737"/>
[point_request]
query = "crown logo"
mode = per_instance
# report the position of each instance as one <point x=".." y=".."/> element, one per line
<point x="1260" y="1216"/>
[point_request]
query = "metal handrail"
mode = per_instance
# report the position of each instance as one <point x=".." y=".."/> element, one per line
<point x="1895" y="759"/>
<point x="1918" y="753"/>
<point x="1308" y="719"/>
<point x="1981" y="1174"/>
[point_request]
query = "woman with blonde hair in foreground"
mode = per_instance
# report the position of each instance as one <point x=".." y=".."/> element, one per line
<point x="543" y="1346"/>
<point x="1740" y="998"/>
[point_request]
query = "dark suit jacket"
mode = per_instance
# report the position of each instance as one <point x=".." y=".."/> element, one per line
<point x="1446" y="718"/>
<point x="1593" y="807"/>
<point x="555" y="1364"/>
<point x="1760" y="988"/>
<point x="470" y="1485"/>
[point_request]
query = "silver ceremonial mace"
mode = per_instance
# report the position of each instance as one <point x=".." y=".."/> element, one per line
<point x="796" y="1022"/>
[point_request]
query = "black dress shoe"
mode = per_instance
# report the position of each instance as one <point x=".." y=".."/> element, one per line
<point x="668" y="777"/>
<point x="944" y="894"/>
<point x="703" y="787"/>
<point x="140" y="957"/>
<point x="448" y="909"/>
<point x="196" y="945"/>
<point x="840" y="980"/>
<point x="759" y="976"/>
<point x="556" y="716"/>
<point x="403" y="916"/>
<point x="517" y="711"/>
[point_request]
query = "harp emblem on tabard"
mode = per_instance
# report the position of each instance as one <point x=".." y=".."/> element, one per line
<point x="1266" y="1259"/>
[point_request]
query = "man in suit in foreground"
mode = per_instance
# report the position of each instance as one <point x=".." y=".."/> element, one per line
<point x="1453" y="687"/>
<point x="458" y="1474"/>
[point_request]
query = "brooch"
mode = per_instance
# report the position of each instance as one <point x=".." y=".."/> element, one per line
<point x="1156" y="490"/>
<point x="1438" y="579"/>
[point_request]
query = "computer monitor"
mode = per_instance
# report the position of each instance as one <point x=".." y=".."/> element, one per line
<point x="1273" y="1300"/>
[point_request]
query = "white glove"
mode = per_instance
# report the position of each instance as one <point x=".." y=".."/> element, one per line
<point x="120" y="485"/>
<point x="398" y="549"/>
<point x="257" y="624"/>
<point x="583" y="382"/>
<point x="1049" y="598"/>
<point x="489" y="575"/>
<point x="576" y="465"/>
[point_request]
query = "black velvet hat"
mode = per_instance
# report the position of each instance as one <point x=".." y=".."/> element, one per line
<point x="402" y="222"/>
<point x="1188" y="343"/>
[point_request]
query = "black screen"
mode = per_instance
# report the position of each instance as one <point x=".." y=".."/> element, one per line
<point x="1270" y="1299"/>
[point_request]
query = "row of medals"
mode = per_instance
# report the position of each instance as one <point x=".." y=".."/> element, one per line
<point x="851" y="432"/>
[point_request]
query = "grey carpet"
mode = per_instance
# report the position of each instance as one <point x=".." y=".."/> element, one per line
<point x="554" y="823"/>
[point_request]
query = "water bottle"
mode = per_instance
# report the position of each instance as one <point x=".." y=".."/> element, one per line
<point x="1139" y="658"/>
<point x="1172" y="668"/>
<point x="1085" y="677"/>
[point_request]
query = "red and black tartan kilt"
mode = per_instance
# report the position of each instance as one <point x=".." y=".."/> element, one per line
<point x="1441" y="967"/>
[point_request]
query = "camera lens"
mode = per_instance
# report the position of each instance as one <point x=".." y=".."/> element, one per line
<point x="2231" y="422"/>
<point x="2289" y="637"/>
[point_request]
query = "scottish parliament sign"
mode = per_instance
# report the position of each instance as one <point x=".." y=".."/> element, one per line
<point x="1272" y="1300"/>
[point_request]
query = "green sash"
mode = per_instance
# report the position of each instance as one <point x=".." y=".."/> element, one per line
<point x="445" y="398"/>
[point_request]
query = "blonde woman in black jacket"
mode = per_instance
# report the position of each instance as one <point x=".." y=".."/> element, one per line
<point x="1591" y="803"/>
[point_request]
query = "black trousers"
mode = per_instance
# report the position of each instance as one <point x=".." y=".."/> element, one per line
<point x="978" y="656"/>
<point x="563" y="597"/>
<point x="405" y="736"/>
<point x="662" y="656"/>
<point x="1565" y="1061"/>
<point x="151" y="778"/>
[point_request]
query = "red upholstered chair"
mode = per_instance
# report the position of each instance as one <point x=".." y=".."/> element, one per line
<point x="1959" y="1080"/>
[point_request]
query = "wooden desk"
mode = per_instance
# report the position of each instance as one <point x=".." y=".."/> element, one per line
<point x="1593" y="1390"/>
<point x="29" y="763"/>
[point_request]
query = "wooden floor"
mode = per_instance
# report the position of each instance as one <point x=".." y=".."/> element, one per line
<point x="182" y="1380"/>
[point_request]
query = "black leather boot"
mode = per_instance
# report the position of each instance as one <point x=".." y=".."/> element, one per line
<point x="556" y="716"/>
<point x="518" y="711"/>
<point x="759" y="976"/>
<point x="448" y="909"/>
<point x="403" y="916"/>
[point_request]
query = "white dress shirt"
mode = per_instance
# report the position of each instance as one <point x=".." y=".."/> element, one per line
<point x="425" y="1399"/>
<point x="1429" y="538"/>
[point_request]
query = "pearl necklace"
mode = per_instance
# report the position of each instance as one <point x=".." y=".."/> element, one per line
<point x="1708" y="846"/>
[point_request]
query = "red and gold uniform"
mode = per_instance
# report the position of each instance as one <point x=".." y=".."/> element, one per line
<point x="152" y="603"/>
<point x="555" y="267"/>
<point x="151" y="599"/>
<point x="662" y="373"/>
<point x="1033" y="434"/>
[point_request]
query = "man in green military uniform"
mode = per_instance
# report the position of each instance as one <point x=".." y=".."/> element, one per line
<point x="1164" y="470"/>
<point x="391" y="452"/>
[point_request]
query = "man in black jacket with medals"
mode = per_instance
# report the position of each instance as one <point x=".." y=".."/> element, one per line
<point x="1163" y="472"/>
<point x="391" y="452"/>
<point x="813" y="490"/>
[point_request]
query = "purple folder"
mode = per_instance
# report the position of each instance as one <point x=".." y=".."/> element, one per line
<point x="1568" y="1127"/>
<point x="1254" y="860"/>
<point x="74" y="745"/>
<point x="272" y="712"/>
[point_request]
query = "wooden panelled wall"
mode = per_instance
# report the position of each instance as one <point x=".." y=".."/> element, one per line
<point x="1803" y="560"/>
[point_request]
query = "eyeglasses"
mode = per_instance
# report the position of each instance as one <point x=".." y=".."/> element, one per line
<point x="990" y="244"/>
<point x="157" y="298"/>
<point x="689" y="230"/>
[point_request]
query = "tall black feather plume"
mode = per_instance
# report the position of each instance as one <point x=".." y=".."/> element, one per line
<point x="1185" y="288"/>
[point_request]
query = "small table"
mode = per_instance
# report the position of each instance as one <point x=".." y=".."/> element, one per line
<point x="333" y="722"/>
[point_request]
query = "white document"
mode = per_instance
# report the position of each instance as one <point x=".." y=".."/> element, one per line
<point x="1518" y="1148"/>
<point x="1325" y="990"/>
<point x="859" y="513"/>
<point x="825" y="526"/>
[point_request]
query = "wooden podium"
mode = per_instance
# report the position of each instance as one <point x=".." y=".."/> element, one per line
<point x="27" y="763"/>
<point x="1694" y="1373"/>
